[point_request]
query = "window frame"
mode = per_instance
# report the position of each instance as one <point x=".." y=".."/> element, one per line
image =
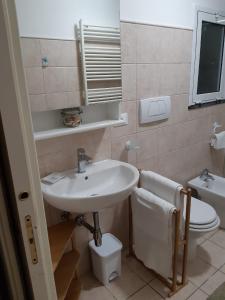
<point x="212" y="17"/>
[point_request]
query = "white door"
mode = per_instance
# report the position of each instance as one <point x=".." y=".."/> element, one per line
<point x="17" y="127"/>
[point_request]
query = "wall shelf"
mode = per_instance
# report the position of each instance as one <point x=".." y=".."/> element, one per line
<point x="52" y="133"/>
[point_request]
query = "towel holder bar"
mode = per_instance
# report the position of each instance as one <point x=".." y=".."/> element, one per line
<point x="180" y="240"/>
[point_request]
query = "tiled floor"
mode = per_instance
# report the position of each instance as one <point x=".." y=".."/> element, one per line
<point x="205" y="274"/>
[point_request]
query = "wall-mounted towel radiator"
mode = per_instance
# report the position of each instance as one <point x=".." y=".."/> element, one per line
<point x="101" y="63"/>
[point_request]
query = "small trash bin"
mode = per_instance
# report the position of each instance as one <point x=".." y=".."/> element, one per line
<point x="106" y="259"/>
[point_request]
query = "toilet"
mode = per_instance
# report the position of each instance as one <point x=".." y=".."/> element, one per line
<point x="211" y="192"/>
<point x="203" y="219"/>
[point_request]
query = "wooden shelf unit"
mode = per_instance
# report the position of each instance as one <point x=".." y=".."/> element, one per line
<point x="74" y="290"/>
<point x="64" y="264"/>
<point x="59" y="238"/>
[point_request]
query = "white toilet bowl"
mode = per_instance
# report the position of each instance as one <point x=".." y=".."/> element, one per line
<point x="203" y="219"/>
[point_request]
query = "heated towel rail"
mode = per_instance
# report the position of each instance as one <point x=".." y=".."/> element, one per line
<point x="101" y="63"/>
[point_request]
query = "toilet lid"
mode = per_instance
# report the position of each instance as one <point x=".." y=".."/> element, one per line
<point x="205" y="226"/>
<point x="201" y="212"/>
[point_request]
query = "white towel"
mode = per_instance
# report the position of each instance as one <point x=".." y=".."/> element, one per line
<point x="218" y="141"/>
<point x="162" y="187"/>
<point x="152" y="231"/>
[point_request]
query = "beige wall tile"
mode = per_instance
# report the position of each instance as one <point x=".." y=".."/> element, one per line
<point x="54" y="145"/>
<point x="171" y="138"/>
<point x="60" y="53"/>
<point x="129" y="81"/>
<point x="34" y="78"/>
<point x="81" y="238"/>
<point x="31" y="52"/>
<point x="148" y="81"/>
<point x="130" y="108"/>
<point x="56" y="162"/>
<point x="148" y="143"/>
<point x="120" y="228"/>
<point x="60" y="79"/>
<point x="38" y="102"/>
<point x="174" y="162"/>
<point x="57" y="101"/>
<point x="181" y="46"/>
<point x="163" y="45"/>
<point x="174" y="79"/>
<point x="149" y="41"/>
<point x="119" y="151"/>
<point x="128" y="42"/>
<point x="151" y="163"/>
<point x="72" y="77"/>
<point x="62" y="100"/>
<point x="183" y="135"/>
<point x="179" y="108"/>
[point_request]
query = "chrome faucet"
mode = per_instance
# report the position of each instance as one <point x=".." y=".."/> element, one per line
<point x="205" y="176"/>
<point x="82" y="159"/>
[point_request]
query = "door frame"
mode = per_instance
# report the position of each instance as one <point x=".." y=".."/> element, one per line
<point x="17" y="125"/>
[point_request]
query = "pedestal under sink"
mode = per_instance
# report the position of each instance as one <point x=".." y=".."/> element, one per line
<point x="104" y="184"/>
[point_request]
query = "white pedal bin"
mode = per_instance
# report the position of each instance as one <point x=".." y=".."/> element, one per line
<point x="106" y="259"/>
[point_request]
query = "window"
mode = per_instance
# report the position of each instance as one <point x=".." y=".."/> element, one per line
<point x="208" y="61"/>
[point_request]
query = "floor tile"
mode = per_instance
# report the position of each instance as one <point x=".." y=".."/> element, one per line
<point x="201" y="240"/>
<point x="126" y="285"/>
<point x="92" y="289"/>
<point x="183" y="294"/>
<point x="213" y="283"/>
<point x="138" y="268"/>
<point x="198" y="295"/>
<point x="211" y="253"/>
<point x="209" y="234"/>
<point x="219" y="238"/>
<point x="199" y="271"/>
<point x="146" y="293"/>
<point x="222" y="269"/>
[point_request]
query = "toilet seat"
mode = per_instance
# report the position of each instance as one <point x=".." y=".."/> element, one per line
<point x="205" y="226"/>
<point x="203" y="217"/>
<point x="201" y="213"/>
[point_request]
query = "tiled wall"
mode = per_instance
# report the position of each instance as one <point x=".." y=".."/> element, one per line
<point x="58" y="85"/>
<point x="156" y="61"/>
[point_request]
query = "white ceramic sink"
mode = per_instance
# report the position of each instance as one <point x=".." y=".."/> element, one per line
<point x="104" y="184"/>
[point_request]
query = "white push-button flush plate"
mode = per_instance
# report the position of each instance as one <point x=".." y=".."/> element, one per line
<point x="154" y="109"/>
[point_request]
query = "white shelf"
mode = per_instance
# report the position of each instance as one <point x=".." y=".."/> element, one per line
<point x="48" y="134"/>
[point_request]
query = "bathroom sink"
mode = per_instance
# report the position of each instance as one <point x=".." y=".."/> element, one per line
<point x="103" y="185"/>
